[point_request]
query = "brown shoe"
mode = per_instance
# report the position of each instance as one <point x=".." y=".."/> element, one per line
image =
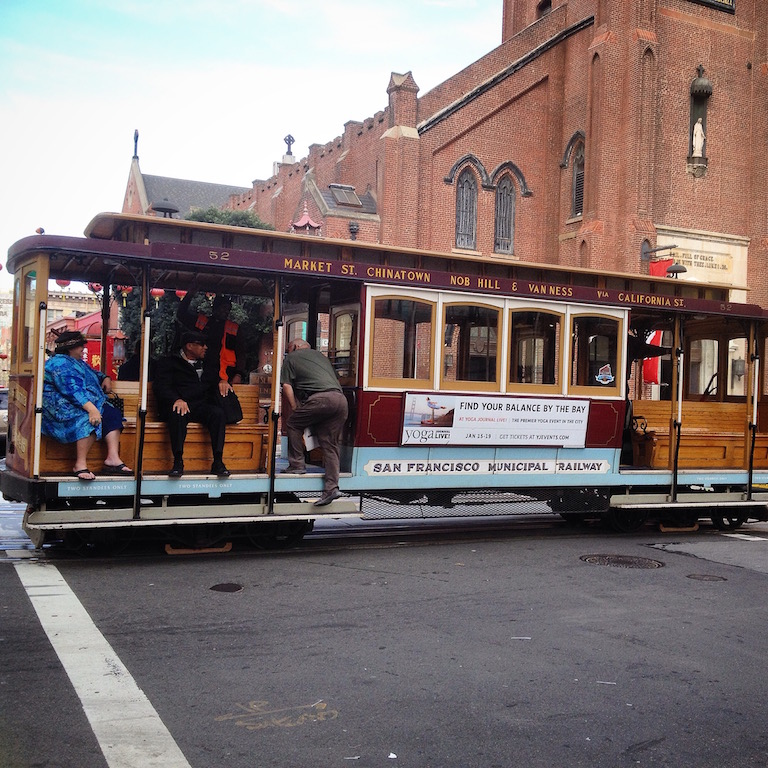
<point x="327" y="498"/>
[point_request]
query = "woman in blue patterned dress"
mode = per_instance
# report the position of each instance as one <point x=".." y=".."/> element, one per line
<point x="75" y="407"/>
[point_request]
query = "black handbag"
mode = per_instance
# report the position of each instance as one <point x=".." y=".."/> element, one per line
<point x="233" y="411"/>
<point x="116" y="402"/>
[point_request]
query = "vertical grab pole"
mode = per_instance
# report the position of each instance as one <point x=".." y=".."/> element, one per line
<point x="142" y="416"/>
<point x="39" y="388"/>
<point x="678" y="419"/>
<point x="276" y="371"/>
<point x="753" y="424"/>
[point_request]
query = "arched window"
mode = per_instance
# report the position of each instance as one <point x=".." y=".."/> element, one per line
<point x="466" y="210"/>
<point x="543" y="8"/>
<point x="505" y="216"/>
<point x="577" y="186"/>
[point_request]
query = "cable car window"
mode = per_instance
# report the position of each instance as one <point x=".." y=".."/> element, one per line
<point x="737" y="368"/>
<point x="295" y="329"/>
<point x="595" y="353"/>
<point x="343" y="342"/>
<point x="401" y="342"/>
<point x="30" y="315"/>
<point x="703" y="367"/>
<point x="470" y="344"/>
<point x="535" y="352"/>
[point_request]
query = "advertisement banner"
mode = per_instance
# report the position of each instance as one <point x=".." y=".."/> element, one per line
<point x="437" y="419"/>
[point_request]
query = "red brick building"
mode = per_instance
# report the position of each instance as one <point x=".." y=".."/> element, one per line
<point x="573" y="142"/>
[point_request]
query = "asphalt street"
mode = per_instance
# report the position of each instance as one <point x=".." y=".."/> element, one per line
<point x="537" y="649"/>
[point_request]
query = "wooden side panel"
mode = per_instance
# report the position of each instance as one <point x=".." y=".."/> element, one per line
<point x="244" y="449"/>
<point x="714" y="436"/>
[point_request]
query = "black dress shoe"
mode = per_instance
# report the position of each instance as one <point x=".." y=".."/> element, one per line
<point x="178" y="469"/>
<point x="218" y="469"/>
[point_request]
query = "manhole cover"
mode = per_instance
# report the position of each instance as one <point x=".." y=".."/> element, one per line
<point x="229" y="587"/>
<point x="622" y="561"/>
<point x="706" y="577"/>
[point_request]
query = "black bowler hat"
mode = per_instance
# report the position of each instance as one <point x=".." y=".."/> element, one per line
<point x="69" y="340"/>
<point x="193" y="337"/>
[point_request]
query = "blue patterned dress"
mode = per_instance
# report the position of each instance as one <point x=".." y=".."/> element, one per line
<point x="68" y="384"/>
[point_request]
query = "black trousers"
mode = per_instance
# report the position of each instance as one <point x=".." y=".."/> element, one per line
<point x="201" y="413"/>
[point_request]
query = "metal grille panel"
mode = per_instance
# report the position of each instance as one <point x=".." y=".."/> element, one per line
<point x="437" y="504"/>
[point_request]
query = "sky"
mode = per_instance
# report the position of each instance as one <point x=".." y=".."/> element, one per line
<point x="213" y="87"/>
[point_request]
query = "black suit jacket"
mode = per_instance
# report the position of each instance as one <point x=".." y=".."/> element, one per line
<point x="174" y="379"/>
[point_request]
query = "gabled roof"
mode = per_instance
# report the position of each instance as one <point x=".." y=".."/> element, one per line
<point x="186" y="195"/>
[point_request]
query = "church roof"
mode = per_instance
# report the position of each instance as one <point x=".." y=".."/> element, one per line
<point x="186" y="195"/>
<point x="367" y="203"/>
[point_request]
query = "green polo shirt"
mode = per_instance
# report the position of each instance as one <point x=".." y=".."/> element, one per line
<point x="308" y="371"/>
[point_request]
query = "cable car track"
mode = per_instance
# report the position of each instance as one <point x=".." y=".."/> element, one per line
<point x="338" y="536"/>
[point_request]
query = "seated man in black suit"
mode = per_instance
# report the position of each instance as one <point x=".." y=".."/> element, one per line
<point x="182" y="396"/>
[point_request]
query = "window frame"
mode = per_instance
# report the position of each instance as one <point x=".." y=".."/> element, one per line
<point x="466" y="209"/>
<point x="505" y="305"/>
<point x="371" y="381"/>
<point x="505" y="217"/>
<point x="577" y="180"/>
<point x="615" y="390"/>
<point x="468" y="384"/>
<point x="551" y="389"/>
<point x="344" y="362"/>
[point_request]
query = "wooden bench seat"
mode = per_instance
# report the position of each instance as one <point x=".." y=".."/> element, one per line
<point x="245" y="449"/>
<point x="714" y="435"/>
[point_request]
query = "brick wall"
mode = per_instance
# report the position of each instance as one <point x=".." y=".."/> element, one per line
<point x="620" y="72"/>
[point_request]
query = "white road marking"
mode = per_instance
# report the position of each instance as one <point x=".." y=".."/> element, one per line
<point x="127" y="727"/>
<point x="745" y="537"/>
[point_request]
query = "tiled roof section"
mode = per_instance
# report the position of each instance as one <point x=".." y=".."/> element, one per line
<point x="367" y="200"/>
<point x="186" y="195"/>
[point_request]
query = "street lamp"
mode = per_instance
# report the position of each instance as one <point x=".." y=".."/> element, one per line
<point x="673" y="270"/>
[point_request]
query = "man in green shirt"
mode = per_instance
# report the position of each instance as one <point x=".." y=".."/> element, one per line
<point x="311" y="388"/>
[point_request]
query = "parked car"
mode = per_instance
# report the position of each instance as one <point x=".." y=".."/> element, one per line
<point x="3" y="418"/>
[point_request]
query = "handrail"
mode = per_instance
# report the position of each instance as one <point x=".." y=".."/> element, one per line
<point x="142" y="420"/>
<point x="678" y="422"/>
<point x="276" y="373"/>
<point x="39" y="389"/>
<point x="753" y="423"/>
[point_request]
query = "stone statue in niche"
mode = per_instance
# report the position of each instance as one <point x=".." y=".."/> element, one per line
<point x="698" y="139"/>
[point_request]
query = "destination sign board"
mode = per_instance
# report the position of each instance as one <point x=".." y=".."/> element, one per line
<point x="429" y="278"/>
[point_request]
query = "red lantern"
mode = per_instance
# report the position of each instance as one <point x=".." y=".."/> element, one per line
<point x="95" y="287"/>
<point x="180" y="294"/>
<point x="62" y="283"/>
<point x="157" y="294"/>
<point x="124" y="290"/>
<point x="3" y="356"/>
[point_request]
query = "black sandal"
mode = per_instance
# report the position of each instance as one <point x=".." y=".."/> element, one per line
<point x="78" y="473"/>
<point x="117" y="469"/>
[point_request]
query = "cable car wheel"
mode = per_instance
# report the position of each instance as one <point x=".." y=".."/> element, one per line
<point x="281" y="534"/>
<point x="729" y="520"/>
<point x="98" y="542"/>
<point x="626" y="520"/>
